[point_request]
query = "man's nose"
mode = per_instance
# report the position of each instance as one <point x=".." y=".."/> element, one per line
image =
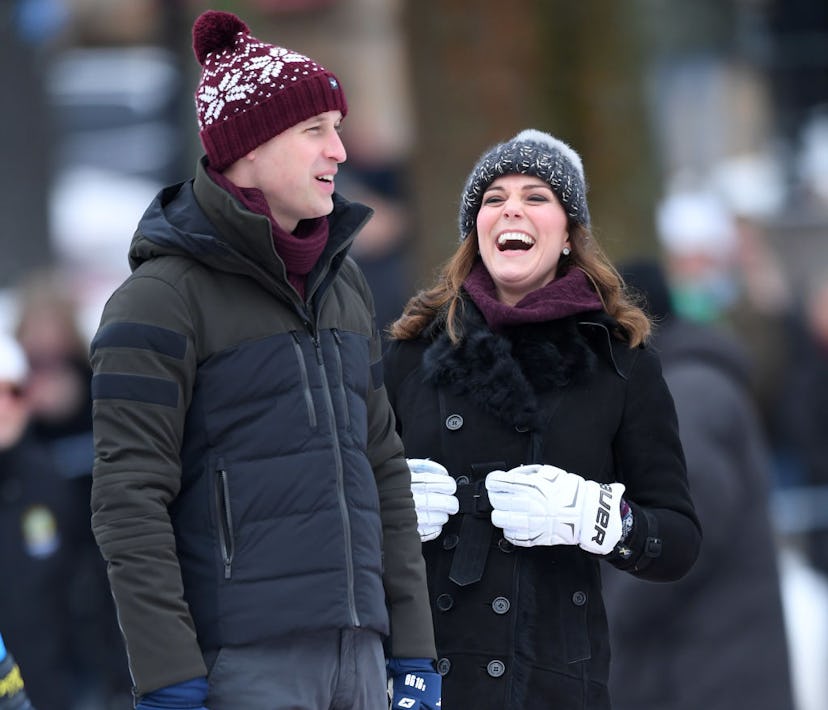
<point x="336" y="148"/>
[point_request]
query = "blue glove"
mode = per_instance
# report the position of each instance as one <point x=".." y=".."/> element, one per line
<point x="189" y="695"/>
<point x="415" y="684"/>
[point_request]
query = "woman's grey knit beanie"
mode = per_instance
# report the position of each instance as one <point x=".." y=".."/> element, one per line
<point x="530" y="152"/>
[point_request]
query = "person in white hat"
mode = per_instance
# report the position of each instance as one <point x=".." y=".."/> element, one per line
<point x="13" y="371"/>
<point x="38" y="550"/>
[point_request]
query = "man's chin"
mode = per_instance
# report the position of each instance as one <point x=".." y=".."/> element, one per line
<point x="323" y="209"/>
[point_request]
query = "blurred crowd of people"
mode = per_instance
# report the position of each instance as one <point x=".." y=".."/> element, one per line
<point x="745" y="354"/>
<point x="56" y="612"/>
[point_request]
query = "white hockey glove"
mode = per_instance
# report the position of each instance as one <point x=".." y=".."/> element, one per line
<point x="434" y="498"/>
<point x="545" y="505"/>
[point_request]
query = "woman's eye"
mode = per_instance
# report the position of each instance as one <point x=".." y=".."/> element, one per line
<point x="494" y="199"/>
<point x="538" y="198"/>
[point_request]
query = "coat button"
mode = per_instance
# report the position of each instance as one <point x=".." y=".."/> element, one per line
<point x="462" y="480"/>
<point x="454" y="422"/>
<point x="443" y="666"/>
<point x="579" y="598"/>
<point x="450" y="541"/>
<point x="521" y="428"/>
<point x="501" y="605"/>
<point x="495" y="668"/>
<point x="445" y="602"/>
<point x="505" y="546"/>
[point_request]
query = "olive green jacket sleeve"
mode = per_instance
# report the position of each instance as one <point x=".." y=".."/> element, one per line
<point x="404" y="576"/>
<point x="144" y="365"/>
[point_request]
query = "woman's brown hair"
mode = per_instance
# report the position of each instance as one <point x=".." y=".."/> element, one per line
<point x="443" y="300"/>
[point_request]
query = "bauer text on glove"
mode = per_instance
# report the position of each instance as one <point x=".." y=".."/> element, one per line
<point x="545" y="505"/>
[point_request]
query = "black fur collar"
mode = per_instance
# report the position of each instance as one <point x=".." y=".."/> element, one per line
<point x="504" y="373"/>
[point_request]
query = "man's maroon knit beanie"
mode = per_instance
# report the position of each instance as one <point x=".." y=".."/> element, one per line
<point x="250" y="90"/>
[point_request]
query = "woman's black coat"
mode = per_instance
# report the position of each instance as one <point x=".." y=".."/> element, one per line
<point x="532" y="632"/>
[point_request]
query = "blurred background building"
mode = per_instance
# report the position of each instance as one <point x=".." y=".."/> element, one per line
<point x="665" y="100"/>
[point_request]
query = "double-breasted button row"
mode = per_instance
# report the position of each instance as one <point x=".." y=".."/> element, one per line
<point x="455" y="422"/>
<point x="495" y="668"/>
<point x="500" y="605"/>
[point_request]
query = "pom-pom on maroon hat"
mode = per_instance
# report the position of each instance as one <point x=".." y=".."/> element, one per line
<point x="250" y="90"/>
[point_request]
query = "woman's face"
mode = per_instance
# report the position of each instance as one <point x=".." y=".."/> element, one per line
<point x="521" y="230"/>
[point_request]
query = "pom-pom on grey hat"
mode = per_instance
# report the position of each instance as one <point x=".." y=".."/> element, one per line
<point x="530" y="152"/>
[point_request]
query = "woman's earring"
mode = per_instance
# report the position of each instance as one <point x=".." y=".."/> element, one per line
<point x="566" y="251"/>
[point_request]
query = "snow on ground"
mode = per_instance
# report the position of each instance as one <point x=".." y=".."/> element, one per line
<point x="805" y="602"/>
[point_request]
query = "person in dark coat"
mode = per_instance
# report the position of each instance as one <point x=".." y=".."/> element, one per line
<point x="715" y="639"/>
<point x="38" y="545"/>
<point x="804" y="408"/>
<point x="523" y="381"/>
<point x="58" y="392"/>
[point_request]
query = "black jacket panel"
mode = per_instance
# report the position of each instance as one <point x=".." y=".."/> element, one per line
<point x="532" y="633"/>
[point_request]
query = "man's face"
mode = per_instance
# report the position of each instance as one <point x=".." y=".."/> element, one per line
<point x="295" y="169"/>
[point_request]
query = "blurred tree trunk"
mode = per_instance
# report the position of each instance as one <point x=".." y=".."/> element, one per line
<point x="176" y="36"/>
<point x="483" y="71"/>
<point x="26" y="145"/>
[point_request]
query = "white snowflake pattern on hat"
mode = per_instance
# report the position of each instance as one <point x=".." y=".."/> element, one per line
<point x="251" y="76"/>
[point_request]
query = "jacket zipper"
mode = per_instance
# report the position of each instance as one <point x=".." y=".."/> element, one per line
<point x="225" y="520"/>
<point x="340" y="475"/>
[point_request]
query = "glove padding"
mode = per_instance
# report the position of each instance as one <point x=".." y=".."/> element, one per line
<point x="433" y="489"/>
<point x="414" y="684"/>
<point x="545" y="505"/>
<point x="187" y="695"/>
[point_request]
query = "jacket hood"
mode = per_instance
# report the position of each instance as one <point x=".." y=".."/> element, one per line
<point x="199" y="220"/>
